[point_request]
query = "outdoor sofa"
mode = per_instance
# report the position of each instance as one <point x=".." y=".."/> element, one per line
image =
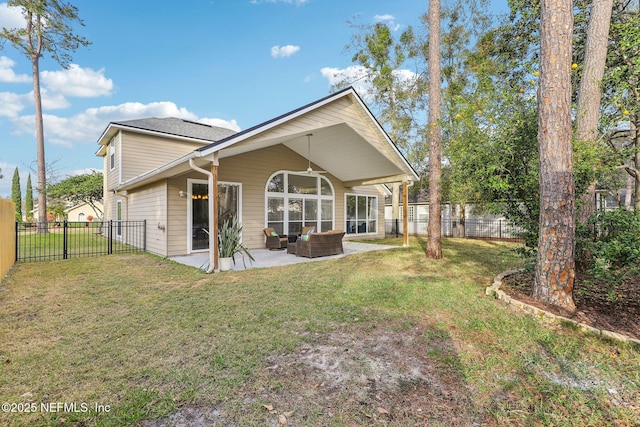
<point x="320" y="244"/>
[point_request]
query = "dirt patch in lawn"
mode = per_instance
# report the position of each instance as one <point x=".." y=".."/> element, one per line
<point x="387" y="375"/>
<point x="603" y="305"/>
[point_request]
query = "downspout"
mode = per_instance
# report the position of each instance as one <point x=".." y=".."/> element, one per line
<point x="212" y="226"/>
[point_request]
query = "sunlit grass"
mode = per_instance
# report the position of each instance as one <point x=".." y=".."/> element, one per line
<point x="145" y="335"/>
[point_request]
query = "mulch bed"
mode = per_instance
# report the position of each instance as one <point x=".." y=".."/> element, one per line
<point x="603" y="305"/>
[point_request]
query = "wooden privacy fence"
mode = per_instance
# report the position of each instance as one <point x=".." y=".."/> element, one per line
<point x="7" y="236"/>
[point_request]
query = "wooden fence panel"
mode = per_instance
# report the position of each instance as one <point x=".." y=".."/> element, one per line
<point x="7" y="236"/>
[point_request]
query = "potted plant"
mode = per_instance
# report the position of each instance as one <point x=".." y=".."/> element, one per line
<point x="230" y="244"/>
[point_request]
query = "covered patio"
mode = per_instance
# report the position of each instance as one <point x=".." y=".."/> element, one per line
<point x="265" y="258"/>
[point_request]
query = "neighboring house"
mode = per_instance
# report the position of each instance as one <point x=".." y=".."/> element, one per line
<point x="82" y="211"/>
<point x="323" y="164"/>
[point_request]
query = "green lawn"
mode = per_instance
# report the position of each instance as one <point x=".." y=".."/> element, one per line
<point x="150" y="338"/>
<point x="81" y="240"/>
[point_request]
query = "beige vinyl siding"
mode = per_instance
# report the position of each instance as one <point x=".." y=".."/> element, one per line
<point x="150" y="203"/>
<point x="112" y="175"/>
<point x="338" y="112"/>
<point x="143" y="153"/>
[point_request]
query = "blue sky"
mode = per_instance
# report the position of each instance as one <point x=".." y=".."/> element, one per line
<point x="231" y="63"/>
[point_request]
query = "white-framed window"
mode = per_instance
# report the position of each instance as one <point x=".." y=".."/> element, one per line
<point x="119" y="218"/>
<point x="361" y="214"/>
<point x="295" y="200"/>
<point x="112" y="153"/>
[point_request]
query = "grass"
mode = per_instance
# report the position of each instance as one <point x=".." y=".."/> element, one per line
<point x="80" y="240"/>
<point x="147" y="336"/>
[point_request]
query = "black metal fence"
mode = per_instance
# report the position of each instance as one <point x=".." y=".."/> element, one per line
<point x="490" y="229"/>
<point x="66" y="239"/>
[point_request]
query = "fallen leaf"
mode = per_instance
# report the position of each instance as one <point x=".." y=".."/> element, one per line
<point x="268" y="407"/>
<point x="288" y="414"/>
<point x="382" y="411"/>
<point x="282" y="420"/>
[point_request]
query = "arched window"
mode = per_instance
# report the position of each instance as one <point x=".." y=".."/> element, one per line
<point x="296" y="200"/>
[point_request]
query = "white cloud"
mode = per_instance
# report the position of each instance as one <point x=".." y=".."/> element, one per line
<point x="284" y="51"/>
<point x="85" y="171"/>
<point x="51" y="100"/>
<point x="11" y="104"/>
<point x="382" y="18"/>
<point x="87" y="126"/>
<point x="11" y="17"/>
<point x="390" y="20"/>
<point x="7" y="75"/>
<point x="358" y="77"/>
<point x="77" y="81"/>
<point x="229" y="124"/>
<point x="354" y="75"/>
<point x="56" y="86"/>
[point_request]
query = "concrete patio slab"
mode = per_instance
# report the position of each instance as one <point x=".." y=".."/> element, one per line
<point x="265" y="258"/>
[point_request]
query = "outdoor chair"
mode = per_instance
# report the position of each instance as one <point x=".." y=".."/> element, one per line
<point x="275" y="241"/>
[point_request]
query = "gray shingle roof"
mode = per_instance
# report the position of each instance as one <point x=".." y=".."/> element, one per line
<point x="179" y="127"/>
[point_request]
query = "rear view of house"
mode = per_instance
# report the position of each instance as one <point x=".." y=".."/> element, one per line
<point x="323" y="165"/>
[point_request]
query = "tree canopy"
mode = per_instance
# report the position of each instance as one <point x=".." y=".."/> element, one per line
<point x="78" y="189"/>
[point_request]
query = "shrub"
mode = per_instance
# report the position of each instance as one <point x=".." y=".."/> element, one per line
<point x="608" y="245"/>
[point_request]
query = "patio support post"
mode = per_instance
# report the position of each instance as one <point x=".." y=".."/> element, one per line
<point x="213" y="213"/>
<point x="405" y="211"/>
<point x="212" y="180"/>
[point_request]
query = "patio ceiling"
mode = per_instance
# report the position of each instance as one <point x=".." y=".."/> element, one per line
<point x="338" y="150"/>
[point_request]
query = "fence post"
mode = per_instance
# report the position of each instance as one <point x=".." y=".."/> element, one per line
<point x="16" y="248"/>
<point x="65" y="240"/>
<point x="500" y="229"/>
<point x="110" y="237"/>
<point x="144" y="235"/>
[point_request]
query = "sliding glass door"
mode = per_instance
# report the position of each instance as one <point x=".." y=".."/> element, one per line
<point x="229" y="205"/>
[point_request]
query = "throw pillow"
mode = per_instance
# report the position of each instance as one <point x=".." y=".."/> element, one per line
<point x="274" y="234"/>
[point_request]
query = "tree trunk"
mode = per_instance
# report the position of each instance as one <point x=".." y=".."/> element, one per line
<point x="555" y="268"/>
<point x="434" y="240"/>
<point x="590" y="92"/>
<point x="635" y="134"/>
<point x="42" y="168"/>
<point x="463" y="217"/>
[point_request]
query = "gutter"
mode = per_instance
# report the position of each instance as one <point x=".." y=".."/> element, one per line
<point x="211" y="224"/>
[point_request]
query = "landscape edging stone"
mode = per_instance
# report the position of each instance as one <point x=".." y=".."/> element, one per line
<point x="494" y="290"/>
